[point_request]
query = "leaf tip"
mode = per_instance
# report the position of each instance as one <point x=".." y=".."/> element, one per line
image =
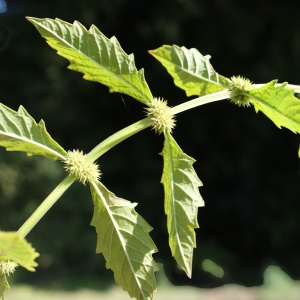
<point x="30" y="19"/>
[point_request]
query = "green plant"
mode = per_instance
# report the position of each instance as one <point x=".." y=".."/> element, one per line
<point x="123" y="235"/>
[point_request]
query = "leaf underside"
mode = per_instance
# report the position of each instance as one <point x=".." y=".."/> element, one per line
<point x="100" y="59"/>
<point x="123" y="238"/>
<point x="279" y="104"/>
<point x="15" y="248"/>
<point x="190" y="70"/>
<point x="182" y="199"/>
<point x="19" y="132"/>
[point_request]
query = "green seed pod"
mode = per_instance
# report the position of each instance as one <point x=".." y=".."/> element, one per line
<point x="75" y="165"/>
<point x="239" y="87"/>
<point x="160" y="117"/>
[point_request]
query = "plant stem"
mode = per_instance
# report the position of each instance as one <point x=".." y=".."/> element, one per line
<point x="112" y="141"/>
<point x="103" y="147"/>
<point x="125" y="133"/>
<point x="200" y="101"/>
<point x="116" y="138"/>
<point x="296" y="88"/>
<point x="45" y="206"/>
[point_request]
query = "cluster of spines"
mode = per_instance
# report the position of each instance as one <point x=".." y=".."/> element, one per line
<point x="75" y="165"/>
<point x="160" y="117"/>
<point x="7" y="267"/>
<point x="239" y="87"/>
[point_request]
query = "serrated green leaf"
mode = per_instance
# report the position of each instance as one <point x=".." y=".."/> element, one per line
<point x="278" y="103"/>
<point x="123" y="238"/>
<point x="182" y="199"/>
<point x="3" y="286"/>
<point x="100" y="59"/>
<point x="19" y="132"/>
<point x="15" y="248"/>
<point x="190" y="70"/>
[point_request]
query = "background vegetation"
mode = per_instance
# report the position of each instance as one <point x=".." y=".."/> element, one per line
<point x="249" y="168"/>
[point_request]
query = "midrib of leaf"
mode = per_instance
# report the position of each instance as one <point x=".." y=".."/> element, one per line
<point x="95" y="62"/>
<point x="115" y="224"/>
<point x="139" y="283"/>
<point x="195" y="74"/>
<point x="173" y="197"/>
<point x="17" y="137"/>
<point x="20" y="132"/>
<point x="280" y="116"/>
<point x="201" y="77"/>
<point x="181" y="206"/>
<point x="266" y="104"/>
<point x="114" y="44"/>
<point x="276" y="112"/>
<point x="193" y="65"/>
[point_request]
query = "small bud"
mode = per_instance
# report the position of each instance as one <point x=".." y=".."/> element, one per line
<point x="160" y="117"/>
<point x="75" y="165"/>
<point x="7" y="267"/>
<point x="238" y="85"/>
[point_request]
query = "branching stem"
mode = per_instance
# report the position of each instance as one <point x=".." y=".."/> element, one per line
<point x="125" y="133"/>
<point x="103" y="147"/>
<point x="112" y="141"/>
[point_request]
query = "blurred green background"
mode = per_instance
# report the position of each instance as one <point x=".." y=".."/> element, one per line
<point x="249" y="167"/>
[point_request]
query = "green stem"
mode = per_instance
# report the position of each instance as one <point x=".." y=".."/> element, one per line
<point x="45" y="206"/>
<point x="296" y="88"/>
<point x="112" y="141"/>
<point x="116" y="138"/>
<point x="125" y="133"/>
<point x="200" y="101"/>
<point x="92" y="156"/>
<point x="103" y="147"/>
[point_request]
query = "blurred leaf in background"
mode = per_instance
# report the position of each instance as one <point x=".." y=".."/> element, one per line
<point x="278" y="285"/>
<point x="211" y="267"/>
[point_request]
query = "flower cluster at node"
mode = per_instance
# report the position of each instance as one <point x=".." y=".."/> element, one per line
<point x="239" y="87"/>
<point x="160" y="117"/>
<point x="7" y="267"/>
<point x="75" y="165"/>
